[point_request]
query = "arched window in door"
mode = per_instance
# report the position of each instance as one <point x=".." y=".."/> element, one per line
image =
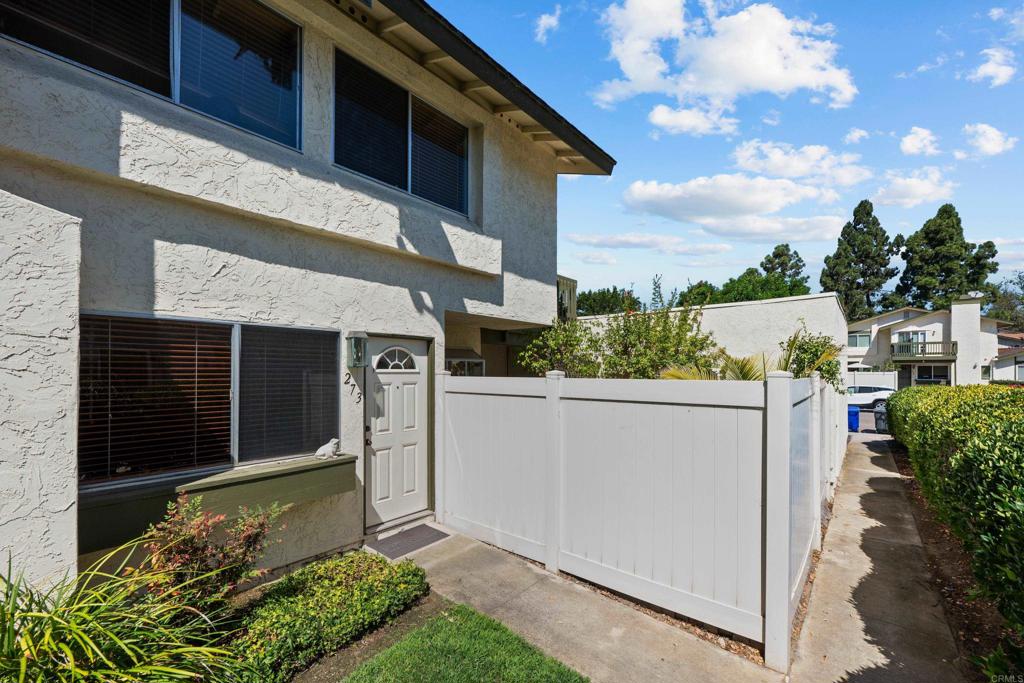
<point x="396" y="358"/>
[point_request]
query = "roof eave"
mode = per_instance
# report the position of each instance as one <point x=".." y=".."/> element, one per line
<point x="432" y="25"/>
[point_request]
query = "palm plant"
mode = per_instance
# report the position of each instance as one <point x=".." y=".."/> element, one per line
<point x="793" y="358"/>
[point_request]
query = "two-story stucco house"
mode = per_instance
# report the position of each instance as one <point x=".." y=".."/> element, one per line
<point x="233" y="230"/>
<point x="952" y="346"/>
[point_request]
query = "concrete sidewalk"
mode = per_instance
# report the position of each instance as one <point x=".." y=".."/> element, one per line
<point x="873" y="614"/>
<point x="601" y="638"/>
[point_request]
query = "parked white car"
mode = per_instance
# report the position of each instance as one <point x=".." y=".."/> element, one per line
<point x="868" y="396"/>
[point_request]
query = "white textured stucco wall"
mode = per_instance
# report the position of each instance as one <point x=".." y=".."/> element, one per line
<point x="182" y="215"/>
<point x="39" y="271"/>
<point x="754" y="327"/>
<point x="965" y="330"/>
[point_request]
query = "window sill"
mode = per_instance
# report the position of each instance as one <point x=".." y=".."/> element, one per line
<point x="259" y="471"/>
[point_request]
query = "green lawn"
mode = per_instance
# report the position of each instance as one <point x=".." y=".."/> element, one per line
<point x="463" y="646"/>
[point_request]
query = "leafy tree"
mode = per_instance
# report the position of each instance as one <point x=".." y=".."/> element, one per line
<point x="753" y="285"/>
<point x="859" y="268"/>
<point x="641" y="344"/>
<point x="941" y="265"/>
<point x="698" y="293"/>
<point x="787" y="263"/>
<point x="1008" y="301"/>
<point x="571" y="346"/>
<point x="636" y="344"/>
<point x="605" y="301"/>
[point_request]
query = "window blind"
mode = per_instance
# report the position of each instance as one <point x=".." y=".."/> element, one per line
<point x="288" y="392"/>
<point x="239" y="62"/>
<point x="439" y="159"/>
<point x="129" y="40"/>
<point x="371" y="122"/>
<point x="155" y="396"/>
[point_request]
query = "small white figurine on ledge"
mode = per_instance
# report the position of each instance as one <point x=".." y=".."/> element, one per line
<point x="328" y="450"/>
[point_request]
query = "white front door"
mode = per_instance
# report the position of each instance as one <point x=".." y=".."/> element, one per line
<point x="396" y="422"/>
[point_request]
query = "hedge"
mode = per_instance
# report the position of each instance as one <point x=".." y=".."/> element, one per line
<point x="966" y="446"/>
<point x="323" y="607"/>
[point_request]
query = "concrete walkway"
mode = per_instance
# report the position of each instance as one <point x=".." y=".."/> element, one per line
<point x="601" y="638"/>
<point x="873" y="615"/>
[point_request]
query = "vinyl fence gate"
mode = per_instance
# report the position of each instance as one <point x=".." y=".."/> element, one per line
<point x="701" y="497"/>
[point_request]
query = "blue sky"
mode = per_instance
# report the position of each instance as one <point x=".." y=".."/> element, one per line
<point x="731" y="123"/>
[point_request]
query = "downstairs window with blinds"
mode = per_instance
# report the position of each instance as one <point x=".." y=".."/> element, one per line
<point x="288" y="392"/>
<point x="155" y="396"/>
<point x="382" y="131"/>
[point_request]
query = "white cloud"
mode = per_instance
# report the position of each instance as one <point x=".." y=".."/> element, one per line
<point x="766" y="228"/>
<point x="597" y="258"/>
<point x="925" y="67"/>
<point x="999" y="67"/>
<point x="855" y="136"/>
<point x="546" y="24"/>
<point x="919" y="141"/>
<point x="1007" y="241"/>
<point x="922" y="185"/>
<point x="715" y="60"/>
<point x="724" y="195"/>
<point x="772" y="117"/>
<point x="691" y="121"/>
<point x="814" y="163"/>
<point x="988" y="140"/>
<point x="665" y="244"/>
<point x="736" y="205"/>
<point x="1014" y="20"/>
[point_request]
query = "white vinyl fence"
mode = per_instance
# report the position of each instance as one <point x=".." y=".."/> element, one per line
<point x="703" y="498"/>
<point x="867" y="378"/>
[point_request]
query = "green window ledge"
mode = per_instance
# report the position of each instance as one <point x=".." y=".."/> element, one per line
<point x="107" y="518"/>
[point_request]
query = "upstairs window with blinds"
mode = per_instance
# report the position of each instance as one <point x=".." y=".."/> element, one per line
<point x="288" y="392"/>
<point x="128" y="40"/>
<point x="236" y="60"/>
<point x="382" y="131"/>
<point x="155" y="396"/>
<point x="240" y="63"/>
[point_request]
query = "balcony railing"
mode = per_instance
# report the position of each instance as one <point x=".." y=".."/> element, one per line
<point x="923" y="351"/>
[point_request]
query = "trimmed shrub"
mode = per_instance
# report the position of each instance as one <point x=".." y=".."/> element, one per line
<point x="323" y="607"/>
<point x="966" y="446"/>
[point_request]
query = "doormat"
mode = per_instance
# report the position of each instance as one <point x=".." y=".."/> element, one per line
<point x="405" y="542"/>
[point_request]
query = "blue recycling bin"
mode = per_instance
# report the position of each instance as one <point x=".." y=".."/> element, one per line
<point x="853" y="418"/>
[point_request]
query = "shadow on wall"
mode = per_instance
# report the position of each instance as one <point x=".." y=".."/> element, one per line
<point x="889" y="597"/>
<point x="146" y="252"/>
<point x="151" y="140"/>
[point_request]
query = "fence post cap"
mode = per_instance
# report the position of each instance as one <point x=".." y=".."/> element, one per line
<point x="444" y="372"/>
<point x="555" y="374"/>
<point x="780" y="374"/>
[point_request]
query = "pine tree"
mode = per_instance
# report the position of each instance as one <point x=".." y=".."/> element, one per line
<point x="859" y="268"/>
<point x="941" y="265"/>
<point x="787" y="263"/>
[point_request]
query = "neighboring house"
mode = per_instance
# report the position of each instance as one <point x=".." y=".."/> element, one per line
<point x="1009" y="362"/>
<point x="232" y="231"/>
<point x="952" y="346"/>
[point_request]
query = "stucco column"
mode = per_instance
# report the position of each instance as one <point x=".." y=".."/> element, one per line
<point x="965" y="330"/>
<point x="40" y="258"/>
